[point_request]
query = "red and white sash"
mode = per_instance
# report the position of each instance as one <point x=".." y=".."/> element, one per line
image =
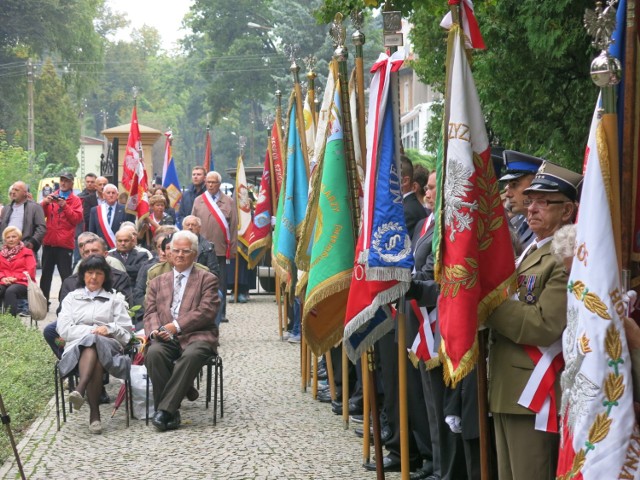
<point x="424" y="346"/>
<point x="219" y="217"/>
<point x="105" y="228"/>
<point x="539" y="394"/>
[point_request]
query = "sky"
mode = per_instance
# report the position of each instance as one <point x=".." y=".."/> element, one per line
<point x="165" y="15"/>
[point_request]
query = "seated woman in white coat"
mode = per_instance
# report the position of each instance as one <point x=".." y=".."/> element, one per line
<point x="96" y="326"/>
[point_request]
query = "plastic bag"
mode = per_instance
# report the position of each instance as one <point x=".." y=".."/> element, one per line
<point x="139" y="392"/>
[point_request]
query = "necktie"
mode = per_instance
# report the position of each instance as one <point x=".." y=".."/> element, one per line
<point x="109" y="212"/>
<point x="175" y="305"/>
<point x="124" y="257"/>
<point x="533" y="248"/>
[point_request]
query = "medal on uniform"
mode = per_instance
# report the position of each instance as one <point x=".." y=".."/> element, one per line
<point x="530" y="298"/>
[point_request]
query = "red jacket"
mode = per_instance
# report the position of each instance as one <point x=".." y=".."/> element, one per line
<point x="61" y="223"/>
<point x="24" y="261"/>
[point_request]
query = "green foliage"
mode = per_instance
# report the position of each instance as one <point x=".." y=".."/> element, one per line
<point x="417" y="158"/>
<point x="14" y="166"/>
<point x="26" y="382"/>
<point x="57" y="128"/>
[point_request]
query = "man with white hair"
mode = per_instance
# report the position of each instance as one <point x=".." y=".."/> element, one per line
<point x="105" y="219"/>
<point x="24" y="214"/>
<point x="219" y="218"/>
<point x="179" y="321"/>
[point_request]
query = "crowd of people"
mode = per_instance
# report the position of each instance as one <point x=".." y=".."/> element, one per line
<point x="177" y="281"/>
<point x="129" y="276"/>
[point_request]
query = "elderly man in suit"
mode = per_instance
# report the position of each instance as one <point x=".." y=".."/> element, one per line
<point x="24" y="214"/>
<point x="125" y="251"/>
<point x="105" y="219"/>
<point x="181" y="308"/>
<point x="219" y="217"/>
<point x="527" y="330"/>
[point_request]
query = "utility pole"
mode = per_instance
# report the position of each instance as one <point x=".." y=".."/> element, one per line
<point x="83" y="159"/>
<point x="31" y="145"/>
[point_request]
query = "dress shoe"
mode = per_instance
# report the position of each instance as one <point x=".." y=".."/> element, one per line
<point x="336" y="407"/>
<point x="104" y="397"/>
<point x="192" y="394"/>
<point x="391" y="464"/>
<point x="354" y="409"/>
<point x="175" y="421"/>
<point x="95" y="427"/>
<point x="224" y="320"/>
<point x="160" y="419"/>
<point x="76" y="399"/>
<point x="356" y="419"/>
<point x="242" y="298"/>
<point x="359" y="431"/>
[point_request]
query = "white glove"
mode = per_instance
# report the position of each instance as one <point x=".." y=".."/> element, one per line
<point x="631" y="297"/>
<point x="273" y="221"/>
<point x="454" y="422"/>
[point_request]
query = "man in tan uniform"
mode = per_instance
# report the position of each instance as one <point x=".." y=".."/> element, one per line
<point x="219" y="217"/>
<point x="528" y="327"/>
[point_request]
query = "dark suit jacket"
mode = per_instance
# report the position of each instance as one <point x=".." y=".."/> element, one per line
<point x="414" y="211"/>
<point x="119" y="282"/>
<point x="33" y="226"/>
<point x="89" y="200"/>
<point x="133" y="263"/>
<point x="198" y="309"/>
<point x="119" y="216"/>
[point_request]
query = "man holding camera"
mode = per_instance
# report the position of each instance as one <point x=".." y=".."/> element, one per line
<point x="63" y="211"/>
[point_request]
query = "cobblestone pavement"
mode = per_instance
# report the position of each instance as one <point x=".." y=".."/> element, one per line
<point x="270" y="429"/>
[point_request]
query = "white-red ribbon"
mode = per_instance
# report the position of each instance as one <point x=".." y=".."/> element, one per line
<point x="424" y="346"/>
<point x="105" y="227"/>
<point x="219" y="217"/>
<point x="469" y="24"/>
<point x="539" y="394"/>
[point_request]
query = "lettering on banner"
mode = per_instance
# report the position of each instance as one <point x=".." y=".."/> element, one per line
<point x="582" y="253"/>
<point x="632" y="457"/>
<point x="618" y="302"/>
<point x="332" y="240"/>
<point x="459" y="131"/>
<point x="335" y="206"/>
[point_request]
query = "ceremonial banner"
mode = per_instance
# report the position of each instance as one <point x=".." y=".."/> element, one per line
<point x="170" y="174"/>
<point x="134" y="175"/>
<point x="259" y="231"/>
<point x="309" y="126"/>
<point x="208" y="154"/>
<point x="600" y="437"/>
<point x="243" y="204"/>
<point x="333" y="245"/>
<point x="326" y="123"/>
<point x="277" y="157"/>
<point x="472" y="245"/>
<point x="292" y="203"/>
<point x="383" y="259"/>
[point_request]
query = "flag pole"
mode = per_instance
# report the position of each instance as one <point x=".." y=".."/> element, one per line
<point x="629" y="155"/>
<point x="358" y="39"/>
<point x="295" y="70"/>
<point x="274" y="206"/>
<point x="366" y="438"/>
<point x="392" y="25"/>
<point x="341" y="54"/>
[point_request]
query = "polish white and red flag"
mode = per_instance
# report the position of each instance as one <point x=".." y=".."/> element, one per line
<point x="134" y="175"/>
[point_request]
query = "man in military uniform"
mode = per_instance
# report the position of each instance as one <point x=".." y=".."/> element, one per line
<point x="527" y="331"/>
<point x="520" y="170"/>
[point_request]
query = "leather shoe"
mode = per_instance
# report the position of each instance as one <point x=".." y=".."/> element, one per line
<point x="160" y="419"/>
<point x="242" y="298"/>
<point x="354" y="409"/>
<point x="360" y="432"/>
<point x="175" y="421"/>
<point x="104" y="397"/>
<point x="422" y="474"/>
<point x="391" y="464"/>
<point x="192" y="394"/>
<point x="336" y="407"/>
<point x="385" y="434"/>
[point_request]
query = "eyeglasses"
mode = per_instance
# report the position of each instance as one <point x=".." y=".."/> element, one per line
<point x="177" y="251"/>
<point x="542" y="202"/>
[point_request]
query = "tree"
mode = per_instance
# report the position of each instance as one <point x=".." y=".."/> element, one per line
<point x="533" y="79"/>
<point x="14" y="166"/>
<point x="57" y="128"/>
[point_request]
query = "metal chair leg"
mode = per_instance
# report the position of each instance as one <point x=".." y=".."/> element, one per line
<point x="215" y="392"/>
<point x="207" y="399"/>
<point x="57" y="385"/>
<point x="221" y="389"/>
<point x="146" y="413"/>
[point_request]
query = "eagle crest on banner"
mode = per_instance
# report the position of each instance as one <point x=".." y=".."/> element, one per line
<point x="457" y="184"/>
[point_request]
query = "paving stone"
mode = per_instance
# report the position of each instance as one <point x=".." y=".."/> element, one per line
<point x="270" y="429"/>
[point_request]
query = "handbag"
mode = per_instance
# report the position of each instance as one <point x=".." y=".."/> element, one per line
<point x="38" y="307"/>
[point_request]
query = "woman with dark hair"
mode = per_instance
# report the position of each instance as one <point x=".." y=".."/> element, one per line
<point x="16" y="260"/>
<point x="95" y="325"/>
